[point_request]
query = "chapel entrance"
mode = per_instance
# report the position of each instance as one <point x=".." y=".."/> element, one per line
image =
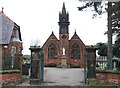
<point x="38" y="73"/>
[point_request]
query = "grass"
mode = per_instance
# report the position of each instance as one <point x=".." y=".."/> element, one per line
<point x="9" y="71"/>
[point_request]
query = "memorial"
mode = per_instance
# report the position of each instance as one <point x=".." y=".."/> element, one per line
<point x="63" y="60"/>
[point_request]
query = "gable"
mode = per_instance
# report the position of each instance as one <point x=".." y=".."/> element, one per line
<point x="76" y="38"/>
<point x="52" y="37"/>
<point x="16" y="35"/>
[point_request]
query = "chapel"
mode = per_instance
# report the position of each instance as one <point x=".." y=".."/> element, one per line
<point x="64" y="52"/>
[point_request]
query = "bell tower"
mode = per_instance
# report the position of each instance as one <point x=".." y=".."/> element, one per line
<point x="63" y="21"/>
<point x="64" y="33"/>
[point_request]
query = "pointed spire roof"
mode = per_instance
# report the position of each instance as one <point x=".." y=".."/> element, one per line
<point x="63" y="9"/>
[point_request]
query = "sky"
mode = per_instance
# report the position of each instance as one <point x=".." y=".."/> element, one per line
<point x="38" y="18"/>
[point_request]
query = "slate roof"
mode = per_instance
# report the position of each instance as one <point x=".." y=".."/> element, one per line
<point x="6" y="28"/>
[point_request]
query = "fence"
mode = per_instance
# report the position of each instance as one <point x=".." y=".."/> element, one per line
<point x="101" y="62"/>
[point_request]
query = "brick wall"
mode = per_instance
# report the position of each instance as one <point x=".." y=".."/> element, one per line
<point x="59" y="45"/>
<point x="10" y="78"/>
<point x="108" y="77"/>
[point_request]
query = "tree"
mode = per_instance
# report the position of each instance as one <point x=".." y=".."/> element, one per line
<point x="116" y="48"/>
<point x="109" y="49"/>
<point x="102" y="49"/>
<point x="116" y="28"/>
<point x="112" y="13"/>
<point x="116" y="18"/>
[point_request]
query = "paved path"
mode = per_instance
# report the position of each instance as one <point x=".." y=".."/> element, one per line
<point x="60" y="77"/>
<point x="64" y="76"/>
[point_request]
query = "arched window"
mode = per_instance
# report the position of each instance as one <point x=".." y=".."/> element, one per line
<point x="75" y="51"/>
<point x="52" y="51"/>
<point x="13" y="51"/>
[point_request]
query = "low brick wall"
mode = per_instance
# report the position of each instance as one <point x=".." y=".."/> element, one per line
<point x="108" y="77"/>
<point x="10" y="78"/>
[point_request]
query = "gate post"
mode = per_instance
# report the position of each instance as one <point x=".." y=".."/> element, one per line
<point x="41" y="65"/>
<point x="91" y="64"/>
<point x="85" y="70"/>
<point x="35" y="65"/>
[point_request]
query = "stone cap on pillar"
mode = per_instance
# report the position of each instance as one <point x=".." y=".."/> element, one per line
<point x="35" y="48"/>
<point x="91" y="48"/>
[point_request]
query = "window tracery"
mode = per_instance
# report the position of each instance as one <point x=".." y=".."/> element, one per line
<point x="52" y="51"/>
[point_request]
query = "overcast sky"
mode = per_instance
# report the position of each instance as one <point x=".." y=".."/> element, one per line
<point x="38" y="18"/>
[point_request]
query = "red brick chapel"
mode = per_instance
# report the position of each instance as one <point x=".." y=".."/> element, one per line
<point x="63" y="51"/>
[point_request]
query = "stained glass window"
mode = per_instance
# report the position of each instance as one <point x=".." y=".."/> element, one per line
<point x="75" y="51"/>
<point x="52" y="51"/>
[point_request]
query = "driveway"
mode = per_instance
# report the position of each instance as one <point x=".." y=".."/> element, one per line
<point x="64" y="76"/>
<point x="59" y="77"/>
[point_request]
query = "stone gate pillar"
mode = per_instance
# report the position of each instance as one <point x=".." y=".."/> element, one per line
<point x="35" y="65"/>
<point x="91" y="62"/>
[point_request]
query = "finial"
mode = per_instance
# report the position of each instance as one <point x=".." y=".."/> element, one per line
<point x="63" y="9"/>
<point x="75" y="31"/>
<point x="2" y="9"/>
<point x="52" y="32"/>
<point x="63" y="4"/>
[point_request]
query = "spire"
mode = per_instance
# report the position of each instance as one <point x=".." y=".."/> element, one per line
<point x="63" y="9"/>
<point x="63" y="21"/>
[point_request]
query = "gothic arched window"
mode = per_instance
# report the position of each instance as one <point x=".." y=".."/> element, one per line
<point x="52" y="51"/>
<point x="75" y="51"/>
